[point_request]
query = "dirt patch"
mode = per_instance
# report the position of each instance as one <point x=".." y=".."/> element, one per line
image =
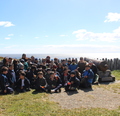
<point x="87" y="98"/>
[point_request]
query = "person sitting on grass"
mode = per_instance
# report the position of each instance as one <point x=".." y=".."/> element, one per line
<point x="40" y="83"/>
<point x="4" y="82"/>
<point x="54" y="83"/>
<point x="94" y="69"/>
<point x="11" y="75"/>
<point x="73" y="82"/>
<point x="87" y="77"/>
<point x="65" y="76"/>
<point x="23" y="84"/>
<point x="31" y="75"/>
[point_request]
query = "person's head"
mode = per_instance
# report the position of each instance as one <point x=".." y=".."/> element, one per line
<point x="23" y="56"/>
<point x="10" y="60"/>
<point x="5" y="61"/>
<point x="65" y="70"/>
<point x="59" y="65"/>
<point x="22" y="61"/>
<point x="87" y="67"/>
<point x="90" y="63"/>
<point x="39" y="69"/>
<point x="52" y="74"/>
<point x="69" y="61"/>
<point x="55" y="60"/>
<point x="21" y="66"/>
<point x="63" y="61"/>
<point x="29" y="60"/>
<point x="32" y="58"/>
<point x="73" y="61"/>
<point x="48" y="70"/>
<point x="15" y="62"/>
<point x="72" y="74"/>
<point x="4" y="70"/>
<point x="36" y="60"/>
<point x="43" y="61"/>
<point x="40" y="74"/>
<point x="33" y="68"/>
<point x="22" y="75"/>
<point x="54" y="67"/>
<point x="11" y="67"/>
<point x="48" y="58"/>
<point x="81" y="59"/>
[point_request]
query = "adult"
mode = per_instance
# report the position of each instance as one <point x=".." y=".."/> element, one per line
<point x="81" y="65"/>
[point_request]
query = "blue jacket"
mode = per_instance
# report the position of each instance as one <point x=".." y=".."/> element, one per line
<point x="73" y="67"/>
<point x="90" y="75"/>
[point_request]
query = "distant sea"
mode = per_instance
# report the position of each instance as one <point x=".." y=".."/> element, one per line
<point x="63" y="56"/>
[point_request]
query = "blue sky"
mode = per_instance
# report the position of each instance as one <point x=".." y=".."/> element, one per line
<point x="59" y="26"/>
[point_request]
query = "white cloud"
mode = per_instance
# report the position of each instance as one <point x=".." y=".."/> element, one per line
<point x="9" y="47"/>
<point x="36" y="37"/>
<point x="61" y="49"/>
<point x="63" y="35"/>
<point x="112" y="17"/>
<point x="7" y="38"/>
<point x="11" y="35"/>
<point x="46" y="36"/>
<point x="91" y="36"/>
<point x="6" y="24"/>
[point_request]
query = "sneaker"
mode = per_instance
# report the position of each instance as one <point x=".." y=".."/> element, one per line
<point x="52" y="91"/>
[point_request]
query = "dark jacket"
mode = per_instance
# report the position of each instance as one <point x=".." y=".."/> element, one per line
<point x="41" y="82"/>
<point x="10" y="75"/>
<point x="55" y="82"/>
<point x="75" y="81"/>
<point x="94" y="68"/>
<point x="4" y="82"/>
<point x="26" y="83"/>
<point x="81" y="66"/>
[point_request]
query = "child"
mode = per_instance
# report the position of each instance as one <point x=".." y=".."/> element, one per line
<point x="4" y="82"/>
<point x="54" y="83"/>
<point x="73" y="82"/>
<point x="40" y="83"/>
<point x="47" y="75"/>
<point x="65" y="76"/>
<point x="31" y="75"/>
<point x="87" y="77"/>
<point x="11" y="75"/>
<point x="23" y="84"/>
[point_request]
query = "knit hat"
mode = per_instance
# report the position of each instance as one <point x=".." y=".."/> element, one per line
<point x="73" y="72"/>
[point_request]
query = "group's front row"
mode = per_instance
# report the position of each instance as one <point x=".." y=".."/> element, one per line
<point x="50" y="83"/>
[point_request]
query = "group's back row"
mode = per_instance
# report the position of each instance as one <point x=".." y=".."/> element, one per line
<point x="49" y="76"/>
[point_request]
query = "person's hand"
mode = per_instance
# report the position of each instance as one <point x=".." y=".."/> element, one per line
<point x="72" y="82"/>
<point x="85" y="76"/>
<point x="21" y="87"/>
<point x="5" y="91"/>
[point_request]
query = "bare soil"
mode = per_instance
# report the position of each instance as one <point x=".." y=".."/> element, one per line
<point x="87" y="98"/>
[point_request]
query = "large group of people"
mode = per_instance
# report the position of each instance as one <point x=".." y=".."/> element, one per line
<point x="24" y="74"/>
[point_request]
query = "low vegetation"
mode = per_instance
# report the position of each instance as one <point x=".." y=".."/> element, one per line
<point x="116" y="73"/>
<point x="38" y="104"/>
<point x="31" y="104"/>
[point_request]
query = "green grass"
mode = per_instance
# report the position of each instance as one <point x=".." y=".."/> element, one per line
<point x="28" y="104"/>
<point x="116" y="73"/>
<point x="1" y="58"/>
